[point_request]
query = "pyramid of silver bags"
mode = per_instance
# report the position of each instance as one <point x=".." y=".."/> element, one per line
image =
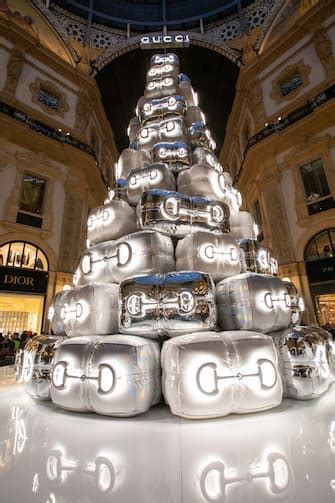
<point x="173" y="262"/>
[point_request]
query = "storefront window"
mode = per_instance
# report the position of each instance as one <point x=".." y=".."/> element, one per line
<point x="314" y="180"/>
<point x="23" y="255"/>
<point x="32" y="194"/>
<point x="321" y="246"/>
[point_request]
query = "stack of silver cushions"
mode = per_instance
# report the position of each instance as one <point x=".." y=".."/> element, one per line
<point x="170" y="230"/>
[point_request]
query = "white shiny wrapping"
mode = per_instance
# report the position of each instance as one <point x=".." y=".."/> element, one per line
<point x="110" y="221"/>
<point x="161" y="88"/>
<point x="144" y="252"/>
<point x="167" y="130"/>
<point x="153" y="109"/>
<point x="170" y="304"/>
<point x="161" y="71"/>
<point x="37" y="362"/>
<point x="176" y="154"/>
<point x="216" y="254"/>
<point x="257" y="258"/>
<point x="54" y="315"/>
<point x="202" y="155"/>
<point x="252" y="301"/>
<point x="176" y="214"/>
<point x="131" y="159"/>
<point x="114" y="375"/>
<point x="242" y="225"/>
<point x="133" y="127"/>
<point x="214" y="374"/>
<point x="164" y="59"/>
<point x="91" y="309"/>
<point x="155" y="176"/>
<point x="307" y="361"/>
<point x="199" y="180"/>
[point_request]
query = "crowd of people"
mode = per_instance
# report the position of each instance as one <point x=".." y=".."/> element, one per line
<point x="11" y="343"/>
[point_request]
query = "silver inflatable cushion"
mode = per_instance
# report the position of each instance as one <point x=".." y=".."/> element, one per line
<point x="216" y="254"/>
<point x="91" y="309"/>
<point x="251" y="301"/>
<point x="307" y="361"/>
<point x="176" y="214"/>
<point x="144" y="252"/>
<point x="171" y="304"/>
<point x="114" y="375"/>
<point x="214" y="374"/>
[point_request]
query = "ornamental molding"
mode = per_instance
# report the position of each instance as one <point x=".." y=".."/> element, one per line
<point x="50" y="87"/>
<point x="302" y="69"/>
<point x="112" y="43"/>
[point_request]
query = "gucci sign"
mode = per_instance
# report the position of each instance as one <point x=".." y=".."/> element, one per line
<point x="155" y="41"/>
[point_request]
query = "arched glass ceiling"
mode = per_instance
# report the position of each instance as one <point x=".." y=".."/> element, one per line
<point x="152" y="15"/>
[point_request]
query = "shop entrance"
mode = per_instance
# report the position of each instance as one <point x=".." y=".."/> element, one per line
<point x="19" y="312"/>
<point x="320" y="267"/>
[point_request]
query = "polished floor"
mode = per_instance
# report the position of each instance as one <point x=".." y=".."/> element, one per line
<point x="51" y="456"/>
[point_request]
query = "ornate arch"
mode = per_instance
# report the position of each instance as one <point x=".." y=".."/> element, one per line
<point x="34" y="240"/>
<point x="309" y="233"/>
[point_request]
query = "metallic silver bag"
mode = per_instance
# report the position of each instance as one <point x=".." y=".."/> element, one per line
<point x="307" y="361"/>
<point x="296" y="301"/>
<point x="171" y="304"/>
<point x="176" y="214"/>
<point x="155" y="176"/>
<point x="252" y="301"/>
<point x="162" y="87"/>
<point x="91" y="309"/>
<point x="200" y="136"/>
<point x="257" y="258"/>
<point x="131" y="159"/>
<point x="242" y="225"/>
<point x="157" y="109"/>
<point x="114" y="375"/>
<point x="216" y="254"/>
<point x="144" y="252"/>
<point x="37" y="362"/>
<point x="110" y="221"/>
<point x="202" y="155"/>
<point x="167" y="130"/>
<point x="176" y="154"/>
<point x="214" y="374"/>
<point x="54" y="314"/>
<point x="199" y="180"/>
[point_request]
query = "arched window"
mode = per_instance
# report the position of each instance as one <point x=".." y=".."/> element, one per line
<point x="23" y="255"/>
<point x="321" y="245"/>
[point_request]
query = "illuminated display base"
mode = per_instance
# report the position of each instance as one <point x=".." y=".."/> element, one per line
<point x="285" y="454"/>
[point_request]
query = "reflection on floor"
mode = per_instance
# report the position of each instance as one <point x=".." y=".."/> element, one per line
<point x="50" y="456"/>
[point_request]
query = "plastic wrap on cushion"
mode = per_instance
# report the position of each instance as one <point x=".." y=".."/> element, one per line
<point x="171" y="304"/>
<point x="114" y="375"/>
<point x="214" y="374"/>
<point x="216" y="254"/>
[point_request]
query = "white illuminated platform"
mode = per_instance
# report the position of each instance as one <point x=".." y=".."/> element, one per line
<point x="49" y="455"/>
